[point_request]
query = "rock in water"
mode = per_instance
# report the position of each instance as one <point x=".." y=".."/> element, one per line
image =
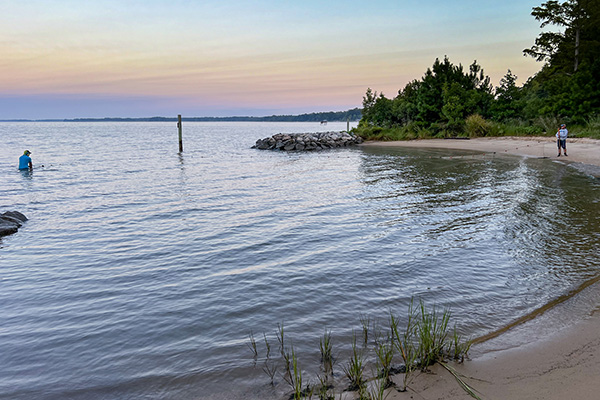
<point x="10" y="222"/>
<point x="307" y="141"/>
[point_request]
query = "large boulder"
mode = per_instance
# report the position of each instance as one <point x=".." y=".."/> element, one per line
<point x="10" y="222"/>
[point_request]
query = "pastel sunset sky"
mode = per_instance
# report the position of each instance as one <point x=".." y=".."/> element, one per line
<point x="134" y="58"/>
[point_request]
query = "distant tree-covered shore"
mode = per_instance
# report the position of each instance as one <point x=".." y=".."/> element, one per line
<point x="351" y="115"/>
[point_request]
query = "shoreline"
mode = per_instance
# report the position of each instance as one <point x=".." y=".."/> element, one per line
<point x="550" y="361"/>
<point x="564" y="365"/>
<point x="538" y="358"/>
<point x="582" y="151"/>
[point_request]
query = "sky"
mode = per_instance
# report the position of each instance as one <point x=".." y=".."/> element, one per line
<point x="129" y="58"/>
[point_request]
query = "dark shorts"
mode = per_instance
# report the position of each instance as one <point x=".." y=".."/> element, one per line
<point x="561" y="143"/>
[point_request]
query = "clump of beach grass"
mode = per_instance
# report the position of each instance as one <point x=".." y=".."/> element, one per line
<point x="365" y="321"/>
<point x="252" y="345"/>
<point x="422" y="341"/>
<point x="296" y="379"/>
<point x="432" y="334"/>
<point x="281" y="338"/>
<point x="324" y="388"/>
<point x="267" y="345"/>
<point x="287" y="368"/>
<point x="405" y="343"/>
<point x="270" y="368"/>
<point x="376" y="390"/>
<point x="458" y="347"/>
<point x="385" y="356"/>
<point x="355" y="367"/>
<point x="326" y="348"/>
<point x="432" y="331"/>
<point x="384" y="350"/>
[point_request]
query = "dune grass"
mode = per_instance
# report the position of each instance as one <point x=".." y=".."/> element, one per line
<point x="355" y="367"/>
<point x="422" y="340"/>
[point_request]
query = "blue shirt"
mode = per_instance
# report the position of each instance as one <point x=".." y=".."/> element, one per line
<point x="24" y="162"/>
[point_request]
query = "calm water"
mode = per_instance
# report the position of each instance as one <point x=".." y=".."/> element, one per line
<point x="142" y="271"/>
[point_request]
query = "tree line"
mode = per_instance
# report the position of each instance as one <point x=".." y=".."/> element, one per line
<point x="450" y="100"/>
<point x="351" y="115"/>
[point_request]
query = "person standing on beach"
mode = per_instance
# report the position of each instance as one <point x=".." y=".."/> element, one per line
<point x="25" y="161"/>
<point x="561" y="139"/>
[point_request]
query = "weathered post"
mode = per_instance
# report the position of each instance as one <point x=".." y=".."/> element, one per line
<point x="180" y="133"/>
<point x="348" y="124"/>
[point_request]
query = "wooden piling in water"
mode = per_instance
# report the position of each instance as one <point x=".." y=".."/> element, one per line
<point x="180" y="133"/>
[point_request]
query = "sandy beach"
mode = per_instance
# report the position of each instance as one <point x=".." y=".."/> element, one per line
<point x="565" y="365"/>
<point x="582" y="151"/>
<point x="563" y="362"/>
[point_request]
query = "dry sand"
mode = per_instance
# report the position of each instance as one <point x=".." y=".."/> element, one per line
<point x="561" y="365"/>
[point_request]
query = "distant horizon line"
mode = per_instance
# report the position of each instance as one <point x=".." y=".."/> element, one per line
<point x="353" y="114"/>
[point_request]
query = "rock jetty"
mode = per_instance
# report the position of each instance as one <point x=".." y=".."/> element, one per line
<point x="307" y="141"/>
<point x="10" y="222"/>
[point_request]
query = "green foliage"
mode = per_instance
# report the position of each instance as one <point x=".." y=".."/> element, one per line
<point x="385" y="355"/>
<point x="470" y="391"/>
<point x="323" y="389"/>
<point x="458" y="346"/>
<point x="577" y="39"/>
<point x="354" y="369"/>
<point x="508" y="102"/>
<point x="325" y="346"/>
<point x="404" y="341"/>
<point x="477" y="126"/>
<point x="423" y="340"/>
<point x="432" y="333"/>
<point x="377" y="391"/>
<point x="296" y="381"/>
<point x="252" y="344"/>
<point x="590" y="129"/>
<point x="441" y="104"/>
<point x="365" y="321"/>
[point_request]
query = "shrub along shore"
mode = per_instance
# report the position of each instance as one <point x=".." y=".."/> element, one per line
<point x="476" y="126"/>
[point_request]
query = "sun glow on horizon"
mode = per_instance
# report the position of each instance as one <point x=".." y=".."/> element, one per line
<point x="233" y="56"/>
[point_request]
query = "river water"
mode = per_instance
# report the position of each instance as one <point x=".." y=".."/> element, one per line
<point x="141" y="271"/>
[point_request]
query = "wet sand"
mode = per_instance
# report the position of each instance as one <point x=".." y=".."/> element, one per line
<point x="564" y="364"/>
<point x="580" y="150"/>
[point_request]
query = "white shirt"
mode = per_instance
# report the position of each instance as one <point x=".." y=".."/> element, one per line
<point x="562" y="133"/>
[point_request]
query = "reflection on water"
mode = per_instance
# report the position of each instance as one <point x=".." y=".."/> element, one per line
<point x="142" y="270"/>
<point x="26" y="173"/>
<point x="523" y="232"/>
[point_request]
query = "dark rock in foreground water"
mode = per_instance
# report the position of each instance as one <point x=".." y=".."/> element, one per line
<point x="10" y="222"/>
<point x="307" y="141"/>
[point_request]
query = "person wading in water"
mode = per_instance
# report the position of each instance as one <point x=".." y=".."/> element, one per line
<point x="25" y="161"/>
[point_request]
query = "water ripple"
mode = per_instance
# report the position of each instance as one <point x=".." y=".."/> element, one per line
<point x="141" y="271"/>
